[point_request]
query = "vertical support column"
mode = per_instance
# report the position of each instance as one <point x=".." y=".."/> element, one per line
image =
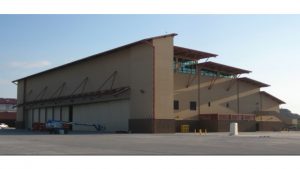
<point x="238" y="95"/>
<point x="261" y="105"/>
<point x="24" y="102"/>
<point x="32" y="117"/>
<point x="198" y="89"/>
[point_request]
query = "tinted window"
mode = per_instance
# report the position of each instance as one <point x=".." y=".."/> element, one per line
<point x="193" y="105"/>
<point x="176" y="104"/>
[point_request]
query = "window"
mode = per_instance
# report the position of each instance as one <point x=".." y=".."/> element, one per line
<point x="227" y="105"/>
<point x="208" y="104"/>
<point x="176" y="105"/>
<point x="184" y="66"/>
<point x="193" y="105"/>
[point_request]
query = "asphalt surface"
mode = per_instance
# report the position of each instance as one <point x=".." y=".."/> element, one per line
<point x="21" y="142"/>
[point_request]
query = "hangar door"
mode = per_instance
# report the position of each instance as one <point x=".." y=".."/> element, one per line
<point x="113" y="115"/>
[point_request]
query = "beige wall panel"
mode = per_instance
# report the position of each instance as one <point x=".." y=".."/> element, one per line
<point x="164" y="78"/>
<point x="269" y="105"/>
<point x="113" y="115"/>
<point x="49" y="113"/>
<point x="267" y="118"/>
<point x="36" y="115"/>
<point x="57" y="113"/>
<point x="65" y="114"/>
<point x="141" y="93"/>
<point x="250" y="103"/>
<point x="42" y="115"/>
<point x="97" y="70"/>
<point x="218" y="96"/>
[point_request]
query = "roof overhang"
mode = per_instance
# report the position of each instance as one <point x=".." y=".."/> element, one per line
<point x="212" y="66"/>
<point x="191" y="54"/>
<point x="253" y="82"/>
<point x="272" y="97"/>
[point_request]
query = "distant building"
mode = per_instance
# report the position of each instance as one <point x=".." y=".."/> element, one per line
<point x="8" y="111"/>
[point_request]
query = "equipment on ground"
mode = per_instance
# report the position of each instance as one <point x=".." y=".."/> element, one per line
<point x="62" y="127"/>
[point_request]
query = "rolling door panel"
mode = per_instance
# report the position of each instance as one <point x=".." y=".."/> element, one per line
<point x="29" y="117"/>
<point x="57" y="113"/>
<point x="49" y="114"/>
<point x="36" y="115"/>
<point x="65" y="114"/>
<point x="113" y="115"/>
<point x="42" y="115"/>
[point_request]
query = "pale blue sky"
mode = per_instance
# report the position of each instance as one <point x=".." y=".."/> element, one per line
<point x="268" y="45"/>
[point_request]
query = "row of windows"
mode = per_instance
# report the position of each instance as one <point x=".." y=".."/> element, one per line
<point x="193" y="105"/>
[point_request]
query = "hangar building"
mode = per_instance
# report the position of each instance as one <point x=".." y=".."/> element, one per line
<point x="149" y="86"/>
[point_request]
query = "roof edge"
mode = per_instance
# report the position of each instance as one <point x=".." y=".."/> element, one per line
<point x="196" y="51"/>
<point x="101" y="53"/>
<point x="255" y="81"/>
<point x="272" y="97"/>
<point x="243" y="71"/>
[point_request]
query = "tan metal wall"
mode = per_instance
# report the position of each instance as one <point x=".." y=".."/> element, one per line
<point x="135" y="69"/>
<point x="134" y="66"/>
<point x="141" y="93"/>
<point x="218" y="96"/>
<point x="164" y="78"/>
<point x="97" y="70"/>
<point x="269" y="105"/>
<point x="267" y="118"/>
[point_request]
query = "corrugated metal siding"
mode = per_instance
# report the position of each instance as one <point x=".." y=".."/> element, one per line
<point x="36" y="115"/>
<point x="65" y="114"/>
<point x="29" y="118"/>
<point x="42" y="115"/>
<point x="49" y="114"/>
<point x="57" y="113"/>
<point x="113" y="115"/>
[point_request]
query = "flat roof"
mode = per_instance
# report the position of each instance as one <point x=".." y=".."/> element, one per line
<point x="254" y="82"/>
<point x="96" y="55"/>
<point x="213" y="66"/>
<point x="191" y="54"/>
<point x="272" y="97"/>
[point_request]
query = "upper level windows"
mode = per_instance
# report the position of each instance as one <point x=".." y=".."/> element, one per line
<point x="189" y="67"/>
<point x="184" y="66"/>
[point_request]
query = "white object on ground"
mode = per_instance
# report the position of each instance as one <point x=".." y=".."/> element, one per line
<point x="233" y="129"/>
<point x="3" y="125"/>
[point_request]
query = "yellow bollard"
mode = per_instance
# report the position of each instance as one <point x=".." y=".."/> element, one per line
<point x="200" y="131"/>
<point x="205" y="132"/>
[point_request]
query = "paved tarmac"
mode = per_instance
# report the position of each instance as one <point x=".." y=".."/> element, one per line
<point x="21" y="142"/>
